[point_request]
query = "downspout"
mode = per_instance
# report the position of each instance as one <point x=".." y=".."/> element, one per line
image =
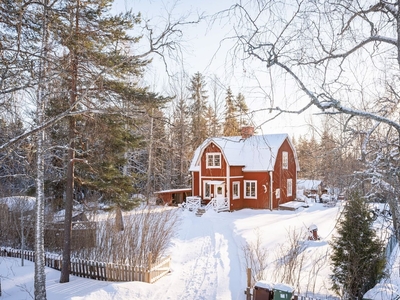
<point x="200" y="186"/>
<point x="228" y="185"/>
<point x="271" y="182"/>
<point x="192" y="182"/>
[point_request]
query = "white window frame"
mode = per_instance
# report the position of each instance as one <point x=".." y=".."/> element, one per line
<point x="278" y="193"/>
<point x="236" y="195"/>
<point x="211" y="164"/>
<point x="251" y="184"/>
<point x="289" y="187"/>
<point x="285" y="160"/>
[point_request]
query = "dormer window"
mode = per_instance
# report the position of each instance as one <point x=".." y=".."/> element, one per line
<point x="213" y="160"/>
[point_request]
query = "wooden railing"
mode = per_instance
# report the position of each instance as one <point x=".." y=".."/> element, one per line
<point x="192" y="203"/>
<point x="218" y="204"/>
<point x="100" y="270"/>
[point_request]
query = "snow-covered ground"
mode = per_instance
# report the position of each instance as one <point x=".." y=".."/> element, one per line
<point x="207" y="259"/>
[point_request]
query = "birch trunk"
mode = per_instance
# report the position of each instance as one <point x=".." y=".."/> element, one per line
<point x="40" y="275"/>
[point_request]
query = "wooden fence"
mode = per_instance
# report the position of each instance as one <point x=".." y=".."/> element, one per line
<point x="100" y="270"/>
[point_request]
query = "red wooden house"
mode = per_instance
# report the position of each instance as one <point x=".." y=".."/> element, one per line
<point x="248" y="171"/>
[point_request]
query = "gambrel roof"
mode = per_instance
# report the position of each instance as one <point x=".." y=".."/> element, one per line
<point x="255" y="153"/>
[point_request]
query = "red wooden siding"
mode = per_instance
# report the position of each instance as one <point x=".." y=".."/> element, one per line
<point x="195" y="184"/>
<point x="236" y="174"/>
<point x="262" y="200"/>
<point x="212" y="172"/>
<point x="281" y="176"/>
<point x="236" y="171"/>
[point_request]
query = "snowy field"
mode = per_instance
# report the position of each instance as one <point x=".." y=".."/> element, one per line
<point x="207" y="259"/>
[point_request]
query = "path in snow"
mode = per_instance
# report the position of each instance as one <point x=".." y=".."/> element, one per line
<point x="206" y="261"/>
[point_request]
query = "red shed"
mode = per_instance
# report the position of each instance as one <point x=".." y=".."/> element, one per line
<point x="173" y="197"/>
<point x="248" y="171"/>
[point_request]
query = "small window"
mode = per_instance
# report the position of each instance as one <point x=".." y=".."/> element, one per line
<point x="289" y="187"/>
<point x="250" y="189"/>
<point x="236" y="190"/>
<point x="213" y="160"/>
<point x="285" y="160"/>
<point x="207" y="191"/>
<point x="278" y="193"/>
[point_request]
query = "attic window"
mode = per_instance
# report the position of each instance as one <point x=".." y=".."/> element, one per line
<point x="213" y="160"/>
<point x="289" y="187"/>
<point x="285" y="160"/>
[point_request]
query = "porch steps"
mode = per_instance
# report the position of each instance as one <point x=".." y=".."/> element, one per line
<point x="200" y="212"/>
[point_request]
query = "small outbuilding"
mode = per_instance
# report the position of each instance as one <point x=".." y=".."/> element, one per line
<point x="173" y="196"/>
<point x="310" y="187"/>
<point x="283" y="291"/>
<point x="313" y="232"/>
<point x="263" y="290"/>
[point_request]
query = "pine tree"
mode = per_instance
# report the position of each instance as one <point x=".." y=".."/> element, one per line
<point x="180" y="142"/>
<point x="243" y="110"/>
<point x="213" y="126"/>
<point x="308" y="155"/>
<point x="231" y="125"/>
<point x="357" y="254"/>
<point x="97" y="66"/>
<point x="198" y="109"/>
<point x="215" y="109"/>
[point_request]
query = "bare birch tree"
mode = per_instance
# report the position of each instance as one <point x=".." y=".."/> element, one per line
<point x="40" y="275"/>
<point x="336" y="57"/>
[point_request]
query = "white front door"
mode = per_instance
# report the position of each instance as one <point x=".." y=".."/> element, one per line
<point x="219" y="190"/>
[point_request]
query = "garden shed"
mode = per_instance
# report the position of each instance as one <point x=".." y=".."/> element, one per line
<point x="173" y="196"/>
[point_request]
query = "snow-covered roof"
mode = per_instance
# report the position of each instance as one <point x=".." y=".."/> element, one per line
<point x="18" y="202"/>
<point x="264" y="284"/>
<point x="284" y="287"/>
<point x="308" y="184"/>
<point x="312" y="227"/>
<point x="173" y="190"/>
<point x="256" y="153"/>
<point x="383" y="291"/>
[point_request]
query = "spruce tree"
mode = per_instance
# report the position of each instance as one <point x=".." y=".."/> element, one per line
<point x="198" y="109"/>
<point x="243" y="110"/>
<point x="231" y="125"/>
<point x="357" y="255"/>
<point x="213" y="126"/>
<point x="180" y="138"/>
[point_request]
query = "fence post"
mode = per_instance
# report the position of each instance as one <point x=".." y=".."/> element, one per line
<point x="248" y="289"/>
<point x="150" y="258"/>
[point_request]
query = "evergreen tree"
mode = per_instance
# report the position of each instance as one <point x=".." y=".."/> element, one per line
<point x="215" y="109"/>
<point x="213" y="126"/>
<point x="308" y="155"/>
<point x="243" y="111"/>
<point x="331" y="159"/>
<point x="357" y="254"/>
<point x="180" y="142"/>
<point x="157" y="146"/>
<point x="97" y="66"/>
<point x="231" y="125"/>
<point x="198" y="109"/>
<point x="16" y="164"/>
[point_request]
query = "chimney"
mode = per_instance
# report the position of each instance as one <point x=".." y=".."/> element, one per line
<point x="247" y="132"/>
